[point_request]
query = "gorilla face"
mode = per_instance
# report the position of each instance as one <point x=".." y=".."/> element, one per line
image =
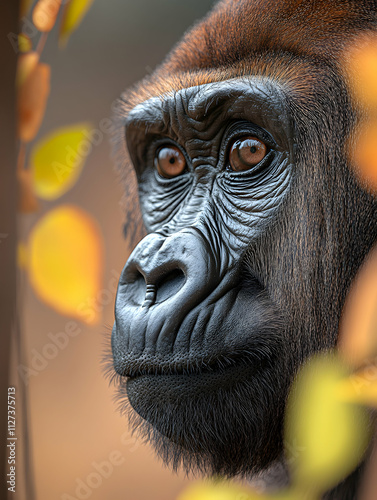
<point x="193" y="324"/>
<point x="254" y="235"/>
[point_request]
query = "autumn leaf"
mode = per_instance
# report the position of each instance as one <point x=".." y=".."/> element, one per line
<point x="25" y="66"/>
<point x="32" y="100"/>
<point x="218" y="491"/>
<point x="361" y="68"/>
<point x="65" y="252"/>
<point x="73" y="13"/>
<point x="24" y="43"/>
<point x="358" y="327"/>
<point x="362" y="150"/>
<point x="58" y="159"/>
<point x="330" y="435"/>
<point x="45" y="13"/>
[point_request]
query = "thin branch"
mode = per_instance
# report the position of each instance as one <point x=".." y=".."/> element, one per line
<point x="41" y="43"/>
<point x="21" y="157"/>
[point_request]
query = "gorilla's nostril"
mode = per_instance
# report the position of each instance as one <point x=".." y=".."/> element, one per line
<point x="135" y="284"/>
<point x="169" y="285"/>
<point x="133" y="275"/>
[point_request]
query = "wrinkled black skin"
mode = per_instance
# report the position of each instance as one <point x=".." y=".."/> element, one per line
<point x="251" y="269"/>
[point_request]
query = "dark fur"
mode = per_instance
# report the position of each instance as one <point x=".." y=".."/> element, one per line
<point x="324" y="230"/>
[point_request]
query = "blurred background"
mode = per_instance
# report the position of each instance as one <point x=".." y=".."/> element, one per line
<point x="74" y="421"/>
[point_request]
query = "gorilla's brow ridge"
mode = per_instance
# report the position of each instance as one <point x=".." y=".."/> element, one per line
<point x="204" y="103"/>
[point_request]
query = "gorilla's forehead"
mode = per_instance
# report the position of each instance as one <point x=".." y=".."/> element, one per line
<point x="257" y="99"/>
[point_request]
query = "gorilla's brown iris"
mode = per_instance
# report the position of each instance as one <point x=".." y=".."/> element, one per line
<point x="170" y="161"/>
<point x="246" y="153"/>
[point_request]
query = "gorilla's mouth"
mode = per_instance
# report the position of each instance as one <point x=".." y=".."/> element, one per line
<point x="243" y="356"/>
<point x="144" y="390"/>
<point x="233" y="326"/>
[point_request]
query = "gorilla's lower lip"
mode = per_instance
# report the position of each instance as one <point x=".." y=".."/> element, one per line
<point x="189" y="367"/>
<point x="175" y="386"/>
<point x="240" y="357"/>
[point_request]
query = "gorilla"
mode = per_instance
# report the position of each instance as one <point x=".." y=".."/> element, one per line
<point x="254" y="225"/>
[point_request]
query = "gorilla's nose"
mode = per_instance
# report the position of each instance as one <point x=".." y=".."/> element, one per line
<point x="175" y="268"/>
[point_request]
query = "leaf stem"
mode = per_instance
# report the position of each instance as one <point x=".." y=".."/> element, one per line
<point x="21" y="157"/>
<point x="41" y="43"/>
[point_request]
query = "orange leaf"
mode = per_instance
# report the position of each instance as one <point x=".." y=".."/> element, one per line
<point x="361" y="68"/>
<point x="25" y="65"/>
<point x="362" y="151"/>
<point x="358" y="327"/>
<point x="32" y="99"/>
<point x="45" y="13"/>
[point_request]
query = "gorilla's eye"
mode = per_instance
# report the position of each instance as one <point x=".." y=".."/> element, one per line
<point x="169" y="161"/>
<point x="246" y="152"/>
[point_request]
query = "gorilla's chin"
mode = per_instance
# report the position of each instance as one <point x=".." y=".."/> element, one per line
<point x="222" y="422"/>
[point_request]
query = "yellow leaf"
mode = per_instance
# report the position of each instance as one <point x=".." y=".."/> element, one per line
<point x="65" y="262"/>
<point x="358" y="327"/>
<point x="32" y="100"/>
<point x="27" y="201"/>
<point x="58" y="159"/>
<point x="25" y="66"/>
<point x="45" y="13"/>
<point x="325" y="437"/>
<point x="24" y="43"/>
<point x="73" y="13"/>
<point x="219" y="491"/>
